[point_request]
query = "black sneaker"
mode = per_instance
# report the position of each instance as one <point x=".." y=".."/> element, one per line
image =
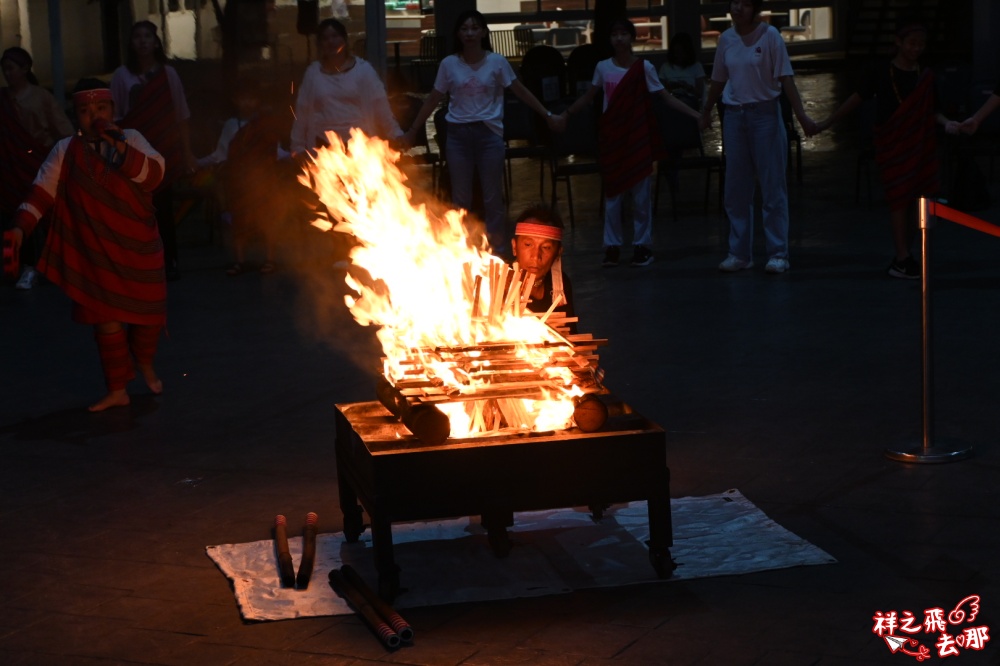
<point x="611" y="256"/>
<point x="907" y="269"/>
<point x="643" y="256"/>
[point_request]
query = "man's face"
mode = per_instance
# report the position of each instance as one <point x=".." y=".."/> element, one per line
<point x="535" y="254"/>
<point x="88" y="113"/>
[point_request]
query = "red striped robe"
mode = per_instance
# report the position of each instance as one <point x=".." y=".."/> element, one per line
<point x="628" y="139"/>
<point x="103" y="248"/>
<point x="20" y="156"/>
<point x="906" y="147"/>
<point x="152" y="112"/>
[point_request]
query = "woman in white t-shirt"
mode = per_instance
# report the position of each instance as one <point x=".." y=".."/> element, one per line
<point x="475" y="78"/>
<point x="751" y="71"/>
<point x="629" y="141"/>
<point x="340" y="91"/>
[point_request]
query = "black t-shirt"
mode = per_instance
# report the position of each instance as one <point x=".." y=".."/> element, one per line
<point x="889" y="85"/>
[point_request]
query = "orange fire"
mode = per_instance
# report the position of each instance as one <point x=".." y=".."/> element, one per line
<point x="452" y="318"/>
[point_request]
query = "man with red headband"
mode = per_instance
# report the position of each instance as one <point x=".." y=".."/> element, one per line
<point x="103" y="248"/>
<point x="537" y="246"/>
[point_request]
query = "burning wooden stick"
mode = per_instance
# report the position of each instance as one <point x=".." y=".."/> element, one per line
<point x="475" y="296"/>
<point x="387" y="612"/>
<point x="308" y="552"/>
<point x="427" y="423"/>
<point x="285" y="566"/>
<point x="363" y="608"/>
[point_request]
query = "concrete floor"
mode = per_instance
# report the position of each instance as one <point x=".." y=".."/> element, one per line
<point x="787" y="387"/>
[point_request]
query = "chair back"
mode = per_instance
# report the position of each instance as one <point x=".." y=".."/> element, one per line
<point x="512" y="43"/>
<point x="431" y="46"/>
<point x="543" y="72"/>
<point x="580" y="68"/>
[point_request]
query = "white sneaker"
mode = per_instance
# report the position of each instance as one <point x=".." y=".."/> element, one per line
<point x="27" y="279"/>
<point x="732" y="264"/>
<point x="777" y="265"/>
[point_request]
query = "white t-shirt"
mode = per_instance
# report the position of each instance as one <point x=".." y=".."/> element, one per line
<point x="607" y="76"/>
<point x="339" y="102"/>
<point x="476" y="90"/>
<point x="689" y="75"/>
<point x="751" y="73"/>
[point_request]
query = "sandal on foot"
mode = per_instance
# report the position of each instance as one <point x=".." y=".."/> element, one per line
<point x="235" y="269"/>
<point x="267" y="268"/>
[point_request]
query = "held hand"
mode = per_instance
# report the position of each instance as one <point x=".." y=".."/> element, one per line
<point x="969" y="126"/>
<point x="952" y="127"/>
<point x="557" y="123"/>
<point x="809" y="126"/>
<point x="704" y="122"/>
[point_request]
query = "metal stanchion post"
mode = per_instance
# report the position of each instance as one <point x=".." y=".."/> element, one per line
<point x="932" y="449"/>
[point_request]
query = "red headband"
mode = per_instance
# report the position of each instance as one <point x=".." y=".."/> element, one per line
<point x="535" y="228"/>
<point x="95" y="95"/>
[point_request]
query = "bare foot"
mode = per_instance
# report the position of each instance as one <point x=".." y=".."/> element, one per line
<point x="117" y="398"/>
<point x="152" y="380"/>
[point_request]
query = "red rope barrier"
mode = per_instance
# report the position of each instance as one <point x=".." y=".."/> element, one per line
<point x="958" y="217"/>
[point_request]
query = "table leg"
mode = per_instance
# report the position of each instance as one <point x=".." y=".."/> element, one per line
<point x="496" y="523"/>
<point x="661" y="529"/>
<point x="354" y="524"/>
<point x="385" y="561"/>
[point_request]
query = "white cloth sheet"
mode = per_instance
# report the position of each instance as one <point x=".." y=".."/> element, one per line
<point x="555" y="552"/>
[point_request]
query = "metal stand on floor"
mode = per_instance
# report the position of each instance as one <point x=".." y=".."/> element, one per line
<point x="932" y="449"/>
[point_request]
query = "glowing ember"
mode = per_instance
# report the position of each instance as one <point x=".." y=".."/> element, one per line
<point x="452" y="318"/>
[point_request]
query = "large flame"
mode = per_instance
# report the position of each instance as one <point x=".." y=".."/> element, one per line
<point x="432" y="290"/>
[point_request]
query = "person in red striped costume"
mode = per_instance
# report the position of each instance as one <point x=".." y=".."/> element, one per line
<point x="103" y="249"/>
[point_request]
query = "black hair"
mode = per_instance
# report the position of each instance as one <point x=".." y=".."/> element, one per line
<point x="21" y="58"/>
<point x="543" y="214"/>
<point x="338" y="28"/>
<point x="622" y="24"/>
<point x="908" y="23"/>
<point x="462" y="18"/>
<point x="132" y="58"/>
<point x="681" y="52"/>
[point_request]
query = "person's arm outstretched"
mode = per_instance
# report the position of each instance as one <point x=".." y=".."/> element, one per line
<point x="555" y="123"/>
<point x="809" y="125"/>
<point x="844" y="110"/>
<point x="971" y="124"/>
<point x="714" y="92"/>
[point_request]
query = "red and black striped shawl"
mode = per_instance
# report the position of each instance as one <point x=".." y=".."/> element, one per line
<point x="628" y="139"/>
<point x="906" y="147"/>
<point x="103" y="248"/>
<point x="153" y="113"/>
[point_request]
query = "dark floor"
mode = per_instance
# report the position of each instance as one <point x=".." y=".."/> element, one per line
<point x="787" y="387"/>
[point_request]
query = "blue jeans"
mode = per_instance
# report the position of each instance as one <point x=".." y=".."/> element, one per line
<point x="642" y="215"/>
<point x="756" y="151"/>
<point x="474" y="147"/>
